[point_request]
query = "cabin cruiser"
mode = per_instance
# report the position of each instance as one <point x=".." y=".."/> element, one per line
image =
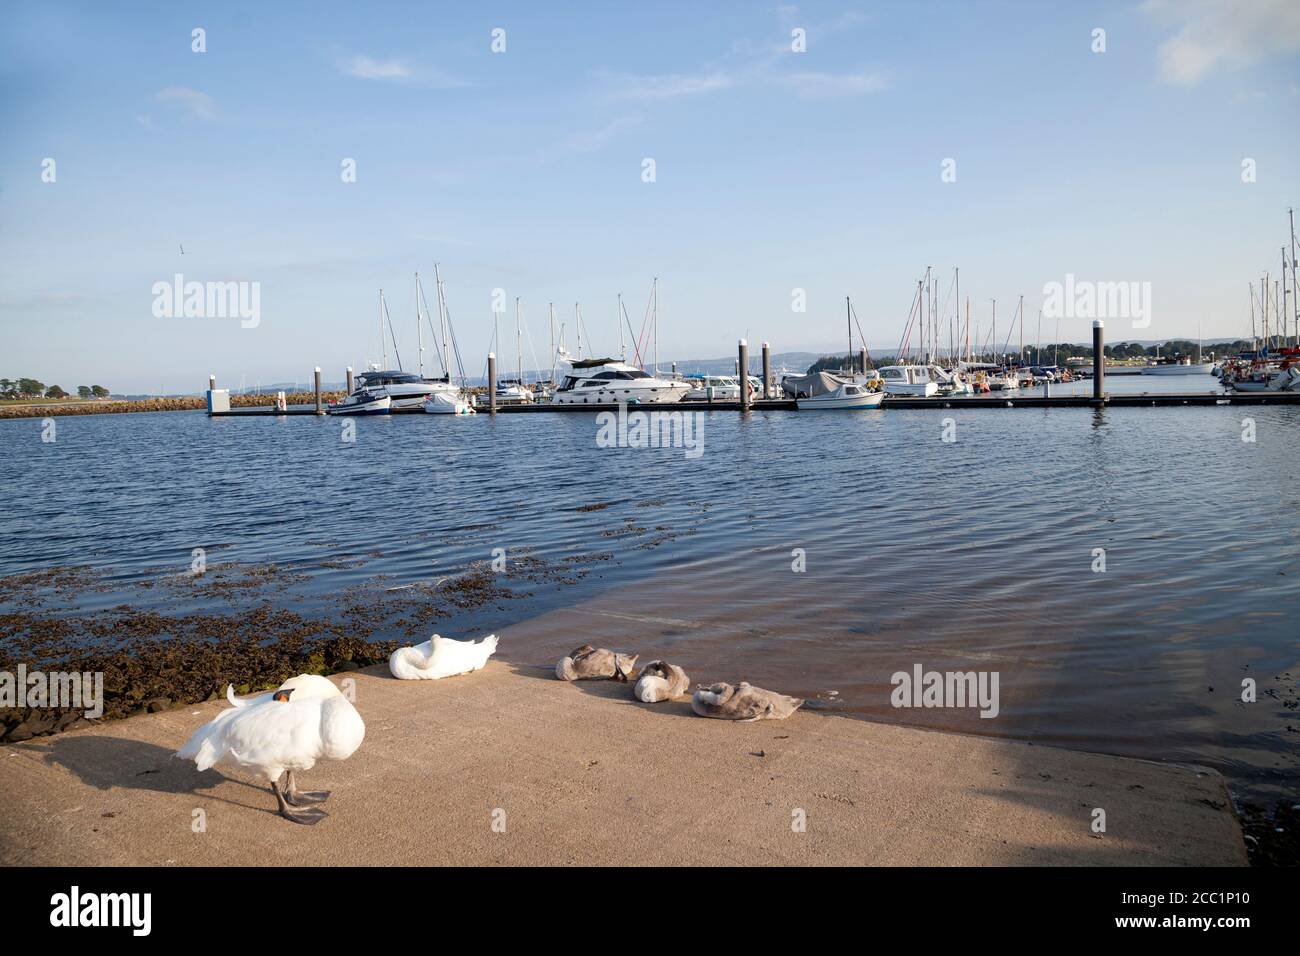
<point x="820" y="390"/>
<point x="916" y="381"/>
<point x="406" y="389"/>
<point x="606" y="380"/>
<point x="361" y="402"/>
<point x="710" y="387"/>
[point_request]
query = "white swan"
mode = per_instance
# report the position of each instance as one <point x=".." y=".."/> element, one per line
<point x="282" y="731"/>
<point x="441" y="657"/>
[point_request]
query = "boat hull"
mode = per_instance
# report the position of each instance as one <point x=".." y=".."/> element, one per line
<point x="1200" y="368"/>
<point x="912" y="389"/>
<point x="376" y="406"/>
<point x="837" y="401"/>
<point x="667" y="394"/>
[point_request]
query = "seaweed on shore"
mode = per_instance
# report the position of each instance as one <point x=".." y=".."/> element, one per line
<point x="153" y="660"/>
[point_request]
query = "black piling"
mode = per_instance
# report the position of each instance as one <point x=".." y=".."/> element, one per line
<point x="1098" y="360"/>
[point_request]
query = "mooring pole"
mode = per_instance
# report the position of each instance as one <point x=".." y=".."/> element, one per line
<point x="1098" y="360"/>
<point x="767" y="369"/>
<point x="742" y="365"/>
<point x="862" y="361"/>
<point x="492" y="379"/>
<point x="320" y="405"/>
<point x="349" y="379"/>
<point x="212" y="383"/>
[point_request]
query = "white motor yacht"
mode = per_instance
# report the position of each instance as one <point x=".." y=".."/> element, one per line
<point x="606" y="380"/>
<point x="406" y="389"/>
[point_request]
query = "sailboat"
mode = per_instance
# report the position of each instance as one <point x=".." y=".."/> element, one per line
<point x="404" y="389"/>
<point x="447" y="401"/>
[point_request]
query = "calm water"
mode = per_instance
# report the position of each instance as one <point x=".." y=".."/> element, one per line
<point x="971" y="554"/>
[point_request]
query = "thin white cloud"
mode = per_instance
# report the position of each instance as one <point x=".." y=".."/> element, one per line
<point x="747" y="63"/>
<point x="822" y="85"/>
<point x="1229" y="34"/>
<point x="365" y="67"/>
<point x="588" y="141"/>
<point x="664" y="86"/>
<point x="192" y="101"/>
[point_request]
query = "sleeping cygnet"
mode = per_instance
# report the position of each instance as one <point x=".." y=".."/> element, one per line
<point x="660" y="680"/>
<point x="595" y="663"/>
<point x="743" y="702"/>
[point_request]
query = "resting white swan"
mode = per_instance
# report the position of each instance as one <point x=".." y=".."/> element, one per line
<point x="441" y="657"/>
<point x="281" y="731"/>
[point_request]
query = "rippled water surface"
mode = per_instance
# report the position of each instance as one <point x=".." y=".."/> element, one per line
<point x="977" y="553"/>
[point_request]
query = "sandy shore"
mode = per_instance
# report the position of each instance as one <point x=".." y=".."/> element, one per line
<point x="584" y="774"/>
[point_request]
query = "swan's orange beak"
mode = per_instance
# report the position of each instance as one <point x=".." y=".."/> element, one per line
<point x="282" y="695"/>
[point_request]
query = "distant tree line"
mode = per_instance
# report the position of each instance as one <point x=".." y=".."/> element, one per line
<point x="31" y="388"/>
<point x="1060" y="353"/>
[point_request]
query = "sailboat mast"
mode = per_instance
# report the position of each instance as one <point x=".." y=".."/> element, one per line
<point x="848" y="324"/>
<point x="519" y="346"/>
<point x="442" y="320"/>
<point x="654" y="289"/>
<point x="383" y="345"/>
<point x="419" y="332"/>
<point x="552" y="311"/>
<point x="1295" y="286"/>
<point x="994" y="339"/>
<point x="577" y="324"/>
<point x="1021" y="310"/>
<point x="956" y="311"/>
<point x="622" y="349"/>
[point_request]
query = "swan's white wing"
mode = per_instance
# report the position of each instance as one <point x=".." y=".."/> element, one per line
<point x="273" y="737"/>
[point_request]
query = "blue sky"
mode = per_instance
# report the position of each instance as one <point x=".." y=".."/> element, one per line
<point x="522" y="170"/>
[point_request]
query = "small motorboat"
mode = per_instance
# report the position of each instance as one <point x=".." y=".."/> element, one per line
<point x="917" y="381"/>
<point x="824" y="390"/>
<point x="362" y="402"/>
<point x="443" y="403"/>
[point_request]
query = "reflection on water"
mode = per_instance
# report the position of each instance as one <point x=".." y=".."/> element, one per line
<point x="972" y="554"/>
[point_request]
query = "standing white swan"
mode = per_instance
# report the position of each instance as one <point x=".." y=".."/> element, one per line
<point x="282" y="731"/>
<point x="441" y="657"/>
